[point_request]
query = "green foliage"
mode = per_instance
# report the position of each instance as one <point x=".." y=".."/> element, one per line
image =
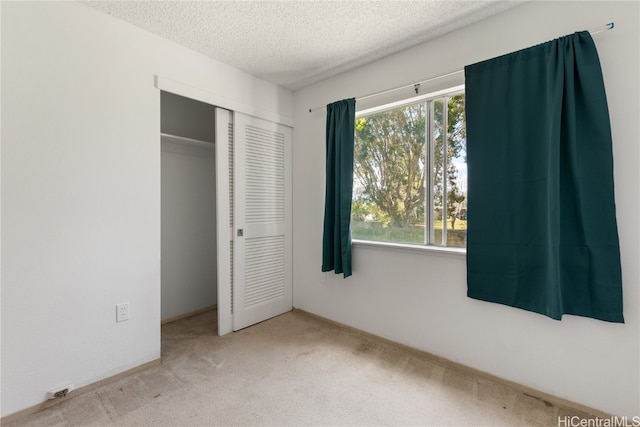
<point x="362" y="210"/>
<point x="411" y="234"/>
<point x="456" y="147"/>
<point x="390" y="164"/>
<point x="359" y="210"/>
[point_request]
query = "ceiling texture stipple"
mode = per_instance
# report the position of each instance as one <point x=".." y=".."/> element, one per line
<point x="297" y="43"/>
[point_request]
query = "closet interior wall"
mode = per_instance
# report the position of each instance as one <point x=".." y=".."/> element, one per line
<point x="188" y="206"/>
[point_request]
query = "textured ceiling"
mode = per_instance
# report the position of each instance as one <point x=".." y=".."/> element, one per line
<point x="297" y="43"/>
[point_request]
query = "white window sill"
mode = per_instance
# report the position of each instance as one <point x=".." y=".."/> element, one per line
<point x="430" y="250"/>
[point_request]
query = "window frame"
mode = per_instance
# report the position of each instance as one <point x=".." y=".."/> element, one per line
<point x="428" y="246"/>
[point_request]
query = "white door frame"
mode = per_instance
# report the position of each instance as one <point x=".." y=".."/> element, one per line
<point x="224" y="224"/>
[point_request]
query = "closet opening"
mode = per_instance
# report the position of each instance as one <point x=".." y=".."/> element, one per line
<point x="225" y="212"/>
<point x="189" y="265"/>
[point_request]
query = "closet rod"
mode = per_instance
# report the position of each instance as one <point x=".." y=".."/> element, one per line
<point x="416" y="85"/>
<point x="186" y="140"/>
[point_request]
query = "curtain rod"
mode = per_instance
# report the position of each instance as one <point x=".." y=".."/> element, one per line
<point x="416" y="85"/>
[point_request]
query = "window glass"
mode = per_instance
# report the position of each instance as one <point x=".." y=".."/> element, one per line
<point x="410" y="174"/>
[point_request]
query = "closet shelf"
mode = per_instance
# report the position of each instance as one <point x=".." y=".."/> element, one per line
<point x="184" y="140"/>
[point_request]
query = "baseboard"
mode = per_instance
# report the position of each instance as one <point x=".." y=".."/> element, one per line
<point x="189" y="314"/>
<point x="537" y="394"/>
<point x="77" y="392"/>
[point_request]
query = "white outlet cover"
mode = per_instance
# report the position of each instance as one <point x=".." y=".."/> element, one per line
<point x="59" y="392"/>
<point x="122" y="312"/>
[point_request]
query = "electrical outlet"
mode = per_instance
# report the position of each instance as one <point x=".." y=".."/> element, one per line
<point x="122" y="312"/>
<point x="59" y="392"/>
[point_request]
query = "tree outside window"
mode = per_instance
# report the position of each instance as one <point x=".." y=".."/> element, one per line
<point x="410" y="174"/>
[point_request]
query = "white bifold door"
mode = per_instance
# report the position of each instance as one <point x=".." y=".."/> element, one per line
<point x="254" y="172"/>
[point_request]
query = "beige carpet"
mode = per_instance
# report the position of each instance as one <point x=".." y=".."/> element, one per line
<point x="296" y="370"/>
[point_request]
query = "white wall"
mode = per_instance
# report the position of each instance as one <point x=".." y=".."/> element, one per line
<point x="189" y="263"/>
<point x="81" y="189"/>
<point x="419" y="298"/>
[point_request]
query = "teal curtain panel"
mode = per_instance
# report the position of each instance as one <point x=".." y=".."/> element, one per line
<point x="542" y="233"/>
<point x="336" y="238"/>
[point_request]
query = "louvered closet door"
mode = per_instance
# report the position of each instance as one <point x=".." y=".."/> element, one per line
<point x="262" y="274"/>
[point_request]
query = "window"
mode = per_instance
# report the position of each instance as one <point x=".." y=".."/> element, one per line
<point x="410" y="172"/>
